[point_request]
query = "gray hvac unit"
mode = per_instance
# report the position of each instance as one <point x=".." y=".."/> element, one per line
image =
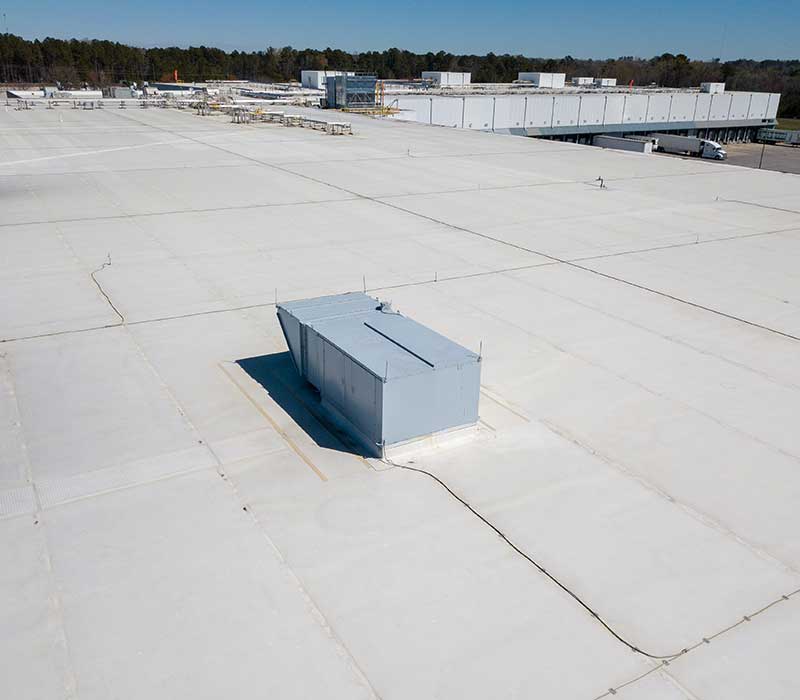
<point x="389" y="379"/>
<point x="351" y="91"/>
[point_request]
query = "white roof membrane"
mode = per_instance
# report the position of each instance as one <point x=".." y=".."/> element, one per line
<point x="174" y="526"/>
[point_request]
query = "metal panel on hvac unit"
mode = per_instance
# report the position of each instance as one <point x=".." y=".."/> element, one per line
<point x="772" y="105"/>
<point x="385" y="378"/>
<point x="447" y="111"/>
<point x="758" y="105"/>
<point x="592" y="109"/>
<point x="740" y="104"/>
<point x="544" y="80"/>
<point x="478" y="112"/>
<point x="445" y="78"/>
<point x="702" y="107"/>
<point x="635" y="109"/>
<point x="615" y="108"/>
<point x="317" y="79"/>
<point x="720" y="106"/>
<point x="565" y="110"/>
<point x="682" y="109"/>
<point x="539" y="112"/>
<point x="658" y="107"/>
<point x="509" y="112"/>
<point x="419" y="105"/>
<point x="351" y="91"/>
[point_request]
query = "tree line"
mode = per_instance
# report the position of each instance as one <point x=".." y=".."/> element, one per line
<point x="75" y="61"/>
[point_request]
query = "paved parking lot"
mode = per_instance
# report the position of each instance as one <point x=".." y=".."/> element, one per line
<point x="785" y="159"/>
<point x="782" y="158"/>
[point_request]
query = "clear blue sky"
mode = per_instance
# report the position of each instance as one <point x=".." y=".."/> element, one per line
<point x="737" y="29"/>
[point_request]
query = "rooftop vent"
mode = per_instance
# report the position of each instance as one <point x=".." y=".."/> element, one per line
<point x="389" y="380"/>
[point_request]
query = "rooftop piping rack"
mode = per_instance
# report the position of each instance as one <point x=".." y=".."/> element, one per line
<point x="247" y="115"/>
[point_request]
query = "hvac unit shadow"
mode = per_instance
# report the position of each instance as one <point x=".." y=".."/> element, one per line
<point x="277" y="375"/>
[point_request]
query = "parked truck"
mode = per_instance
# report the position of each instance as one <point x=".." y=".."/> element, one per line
<point x="785" y="136"/>
<point x="689" y="145"/>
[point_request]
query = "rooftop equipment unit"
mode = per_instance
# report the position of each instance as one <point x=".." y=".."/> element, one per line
<point x="583" y="81"/>
<point x="605" y="82"/>
<point x="445" y="79"/>
<point x="386" y="379"/>
<point x="713" y="88"/>
<point x="352" y="91"/>
<point x="544" y="80"/>
<point x="316" y="79"/>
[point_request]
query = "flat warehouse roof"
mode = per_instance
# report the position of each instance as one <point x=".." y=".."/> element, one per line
<point x="177" y="520"/>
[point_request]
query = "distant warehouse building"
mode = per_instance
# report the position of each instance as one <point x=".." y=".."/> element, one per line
<point x="579" y="114"/>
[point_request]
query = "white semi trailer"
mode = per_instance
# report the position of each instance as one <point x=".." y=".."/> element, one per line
<point x="620" y="144"/>
<point x="791" y="138"/>
<point x="689" y="145"/>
